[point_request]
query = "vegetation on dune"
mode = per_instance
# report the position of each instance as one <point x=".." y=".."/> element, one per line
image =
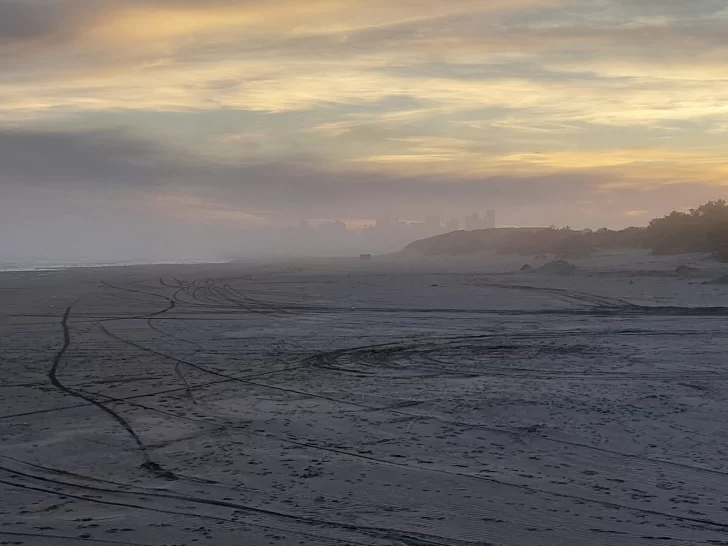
<point x="704" y="229"/>
<point x="569" y="243"/>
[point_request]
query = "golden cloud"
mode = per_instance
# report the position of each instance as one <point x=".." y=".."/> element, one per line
<point x="331" y="56"/>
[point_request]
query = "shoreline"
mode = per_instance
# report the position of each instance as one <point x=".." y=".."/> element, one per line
<point x="31" y="268"/>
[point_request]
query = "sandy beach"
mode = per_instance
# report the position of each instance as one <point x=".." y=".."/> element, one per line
<point x="390" y="402"/>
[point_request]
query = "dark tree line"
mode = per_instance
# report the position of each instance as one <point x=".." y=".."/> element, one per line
<point x="704" y="229"/>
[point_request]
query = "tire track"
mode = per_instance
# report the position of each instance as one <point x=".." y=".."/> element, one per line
<point x="330" y="356"/>
<point x="149" y="463"/>
<point x="150" y="394"/>
<point x="396" y="411"/>
<point x="171" y="305"/>
<point x="219" y="519"/>
<point x="376" y="361"/>
<point x="378" y="531"/>
<point x="575" y="296"/>
<point x="70" y="538"/>
<point x="373" y="532"/>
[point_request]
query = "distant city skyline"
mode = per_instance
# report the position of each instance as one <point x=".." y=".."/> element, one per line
<point x="385" y="233"/>
<point x="469" y="221"/>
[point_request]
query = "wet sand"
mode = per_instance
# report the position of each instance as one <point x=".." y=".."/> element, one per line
<point x="379" y="403"/>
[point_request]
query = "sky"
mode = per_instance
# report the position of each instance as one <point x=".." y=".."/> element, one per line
<point x="183" y="122"/>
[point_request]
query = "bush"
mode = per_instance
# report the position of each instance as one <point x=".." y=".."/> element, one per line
<point x="704" y="229"/>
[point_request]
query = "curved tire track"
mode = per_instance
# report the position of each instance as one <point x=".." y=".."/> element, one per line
<point x="149" y="463"/>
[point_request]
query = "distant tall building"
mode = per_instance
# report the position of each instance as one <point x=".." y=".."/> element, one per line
<point x="472" y="221"/>
<point x="417" y="230"/>
<point x="335" y="227"/>
<point x="453" y="224"/>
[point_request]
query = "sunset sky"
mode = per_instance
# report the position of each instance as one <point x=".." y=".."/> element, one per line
<point x="251" y="112"/>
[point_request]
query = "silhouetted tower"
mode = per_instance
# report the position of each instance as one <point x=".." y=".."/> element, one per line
<point x="473" y="221"/>
<point x="453" y="224"/>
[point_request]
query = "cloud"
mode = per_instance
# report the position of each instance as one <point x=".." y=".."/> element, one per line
<point x="141" y="24"/>
<point x="23" y="21"/>
<point x="635" y="213"/>
<point x="597" y="62"/>
<point x="100" y="168"/>
<point x="328" y="108"/>
<point x="101" y="158"/>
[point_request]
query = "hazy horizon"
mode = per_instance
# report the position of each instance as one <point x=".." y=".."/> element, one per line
<point x="182" y="129"/>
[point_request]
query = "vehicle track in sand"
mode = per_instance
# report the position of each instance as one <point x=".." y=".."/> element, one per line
<point x="443" y="356"/>
<point x="328" y="360"/>
<point x="18" y="534"/>
<point x="473" y="357"/>
<point x="407" y="537"/>
<point x="375" y="532"/>
<point x="331" y="357"/>
<point x="148" y="461"/>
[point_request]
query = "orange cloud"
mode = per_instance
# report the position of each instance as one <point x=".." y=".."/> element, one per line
<point x="510" y="94"/>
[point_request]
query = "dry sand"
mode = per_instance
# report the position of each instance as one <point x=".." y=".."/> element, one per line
<point x="366" y="403"/>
